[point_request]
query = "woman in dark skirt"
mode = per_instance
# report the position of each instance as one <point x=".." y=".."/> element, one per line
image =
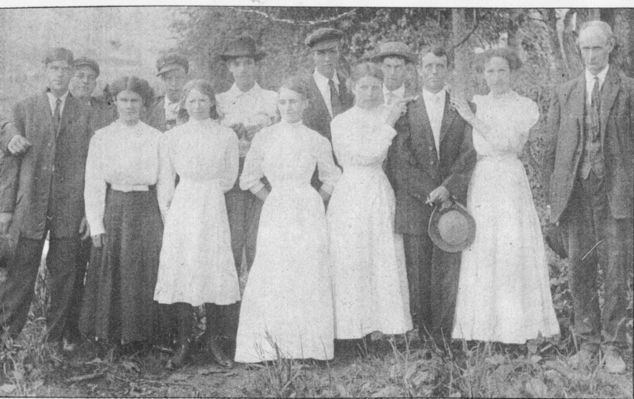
<point x="125" y="222"/>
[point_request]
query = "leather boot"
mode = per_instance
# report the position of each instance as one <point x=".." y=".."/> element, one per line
<point x="212" y="338"/>
<point x="185" y="316"/>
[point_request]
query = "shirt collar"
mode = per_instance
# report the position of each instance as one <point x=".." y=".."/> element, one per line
<point x="235" y="91"/>
<point x="321" y="79"/>
<point x="400" y="92"/>
<point x="601" y="75"/>
<point x="428" y="95"/>
<point x="52" y="97"/>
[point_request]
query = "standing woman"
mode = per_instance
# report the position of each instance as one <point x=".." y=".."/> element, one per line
<point x="370" y="280"/>
<point x="504" y="289"/>
<point x="287" y="306"/>
<point x="125" y="223"/>
<point x="196" y="263"/>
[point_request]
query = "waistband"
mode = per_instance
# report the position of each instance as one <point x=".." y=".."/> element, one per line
<point x="129" y="187"/>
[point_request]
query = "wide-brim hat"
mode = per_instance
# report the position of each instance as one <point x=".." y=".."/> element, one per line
<point x="170" y="62"/>
<point x="323" y="38"/>
<point x="557" y="240"/>
<point x="243" y="46"/>
<point x="394" y="49"/>
<point x="452" y="228"/>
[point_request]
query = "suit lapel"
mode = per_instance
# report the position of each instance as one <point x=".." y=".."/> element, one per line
<point x="609" y="92"/>
<point x="420" y="128"/>
<point x="47" y="115"/>
<point x="577" y="99"/>
<point x="317" y="97"/>
<point x="67" y="113"/>
<point x="449" y="114"/>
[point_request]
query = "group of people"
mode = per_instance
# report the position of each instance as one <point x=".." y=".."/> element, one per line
<point x="325" y="190"/>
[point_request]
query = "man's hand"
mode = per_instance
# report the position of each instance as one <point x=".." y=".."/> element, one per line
<point x="240" y="130"/>
<point x="440" y="195"/>
<point x="18" y="145"/>
<point x="84" y="229"/>
<point x="99" y="240"/>
<point x="5" y="222"/>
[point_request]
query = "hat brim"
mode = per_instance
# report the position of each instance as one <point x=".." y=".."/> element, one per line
<point x="437" y="239"/>
<point x="87" y="64"/>
<point x="406" y="56"/>
<point x="325" y="44"/>
<point x="230" y="56"/>
<point x="169" y="68"/>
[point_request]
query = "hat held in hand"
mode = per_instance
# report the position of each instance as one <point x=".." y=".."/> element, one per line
<point x="452" y="228"/>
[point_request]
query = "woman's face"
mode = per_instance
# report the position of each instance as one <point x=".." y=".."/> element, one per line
<point x="368" y="92"/>
<point x="198" y="105"/>
<point x="291" y="105"/>
<point x="129" y="105"/>
<point x="497" y="74"/>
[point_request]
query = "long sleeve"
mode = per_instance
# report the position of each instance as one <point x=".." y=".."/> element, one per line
<point x="458" y="180"/>
<point x="167" y="176"/>
<point x="328" y="172"/>
<point x="9" y="169"/>
<point x="349" y="148"/>
<point x="95" y="186"/>
<point x="231" y="163"/>
<point x="252" y="173"/>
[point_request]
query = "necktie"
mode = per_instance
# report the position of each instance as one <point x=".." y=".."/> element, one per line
<point x="595" y="105"/>
<point x="57" y="115"/>
<point x="335" y="101"/>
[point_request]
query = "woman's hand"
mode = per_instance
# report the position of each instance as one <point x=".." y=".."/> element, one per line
<point x="98" y="241"/>
<point x="325" y="196"/>
<point x="462" y="107"/>
<point x="397" y="110"/>
<point x="262" y="194"/>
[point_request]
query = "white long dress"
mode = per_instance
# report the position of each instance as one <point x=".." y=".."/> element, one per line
<point x="196" y="263"/>
<point x="370" y="280"/>
<point x="287" y="303"/>
<point x="504" y="290"/>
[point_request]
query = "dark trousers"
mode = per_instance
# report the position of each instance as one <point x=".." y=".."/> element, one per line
<point x="588" y="220"/>
<point x="16" y="293"/>
<point x="74" y="311"/>
<point x="432" y="276"/>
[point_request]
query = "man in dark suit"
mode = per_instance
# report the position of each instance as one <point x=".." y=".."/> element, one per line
<point x="173" y="70"/>
<point x="46" y="196"/>
<point x="589" y="175"/>
<point x="329" y="94"/>
<point x="82" y="86"/>
<point x="394" y="59"/>
<point x="430" y="162"/>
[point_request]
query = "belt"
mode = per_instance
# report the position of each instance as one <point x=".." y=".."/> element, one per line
<point x="129" y="187"/>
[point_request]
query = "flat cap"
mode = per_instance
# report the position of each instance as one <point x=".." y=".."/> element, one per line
<point x="243" y="46"/>
<point x="58" y="54"/>
<point x="394" y="49"/>
<point x="323" y="38"/>
<point x="89" y="62"/>
<point x="170" y="62"/>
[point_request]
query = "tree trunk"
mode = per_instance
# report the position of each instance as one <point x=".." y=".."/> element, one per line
<point x="560" y="68"/>
<point x="462" y="53"/>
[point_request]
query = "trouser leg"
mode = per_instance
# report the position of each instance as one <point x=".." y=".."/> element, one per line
<point x="72" y="323"/>
<point x="237" y="207"/>
<point x="61" y="263"/>
<point x="253" y="221"/>
<point x="418" y="251"/>
<point x="16" y="293"/>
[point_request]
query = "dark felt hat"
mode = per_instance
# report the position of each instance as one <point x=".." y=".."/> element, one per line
<point x="243" y="46"/>
<point x="452" y="229"/>
<point x="58" y="54"/>
<point x="323" y="38"/>
<point x="394" y="49"/>
<point x="89" y="62"/>
<point x="170" y="62"/>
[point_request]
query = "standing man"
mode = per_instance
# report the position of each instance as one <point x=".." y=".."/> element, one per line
<point x="246" y="108"/>
<point x="431" y="162"/>
<point x="329" y="94"/>
<point x="394" y="58"/>
<point x="83" y="84"/>
<point x="589" y="175"/>
<point x="173" y="70"/>
<point x="46" y="196"/>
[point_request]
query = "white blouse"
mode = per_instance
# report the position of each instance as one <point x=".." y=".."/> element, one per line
<point x="127" y="157"/>
<point x="288" y="152"/>
<point x="201" y="151"/>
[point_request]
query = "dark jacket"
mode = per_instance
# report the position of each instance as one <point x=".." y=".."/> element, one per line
<point x="316" y="115"/>
<point x="565" y="144"/>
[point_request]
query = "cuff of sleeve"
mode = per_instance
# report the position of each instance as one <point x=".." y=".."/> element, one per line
<point x="327" y="188"/>
<point x="257" y="187"/>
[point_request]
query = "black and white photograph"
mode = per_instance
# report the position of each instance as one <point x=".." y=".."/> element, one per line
<point x="259" y="198"/>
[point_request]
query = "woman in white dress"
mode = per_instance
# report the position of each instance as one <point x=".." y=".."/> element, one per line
<point x="369" y="275"/>
<point x="196" y="262"/>
<point x="286" y="309"/>
<point x="504" y="291"/>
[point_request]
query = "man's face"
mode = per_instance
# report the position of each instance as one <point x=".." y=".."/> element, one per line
<point x="58" y="74"/>
<point x="595" y="49"/>
<point x="393" y="72"/>
<point x="326" y="60"/>
<point x="243" y="70"/>
<point x="174" y="81"/>
<point x="434" y="72"/>
<point x="83" y="82"/>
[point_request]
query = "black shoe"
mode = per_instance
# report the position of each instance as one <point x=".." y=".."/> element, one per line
<point x="218" y="354"/>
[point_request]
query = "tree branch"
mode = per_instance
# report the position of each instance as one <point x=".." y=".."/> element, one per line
<point x="292" y="21"/>
<point x="468" y="35"/>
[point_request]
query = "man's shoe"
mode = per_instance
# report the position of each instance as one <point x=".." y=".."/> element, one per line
<point x="613" y="361"/>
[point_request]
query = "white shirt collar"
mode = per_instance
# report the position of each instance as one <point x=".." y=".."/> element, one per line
<point x="52" y="99"/>
<point x="234" y="91"/>
<point x="321" y="79"/>
<point x="429" y="96"/>
<point x="601" y="75"/>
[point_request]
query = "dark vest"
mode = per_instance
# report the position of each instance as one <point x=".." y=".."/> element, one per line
<point x="592" y="158"/>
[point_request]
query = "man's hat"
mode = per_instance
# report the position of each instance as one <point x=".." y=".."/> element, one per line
<point x="394" y="49"/>
<point x="89" y="62"/>
<point x="243" y="46"/>
<point x="452" y="229"/>
<point x="170" y="62"/>
<point x="323" y="38"/>
<point x="58" y="54"/>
